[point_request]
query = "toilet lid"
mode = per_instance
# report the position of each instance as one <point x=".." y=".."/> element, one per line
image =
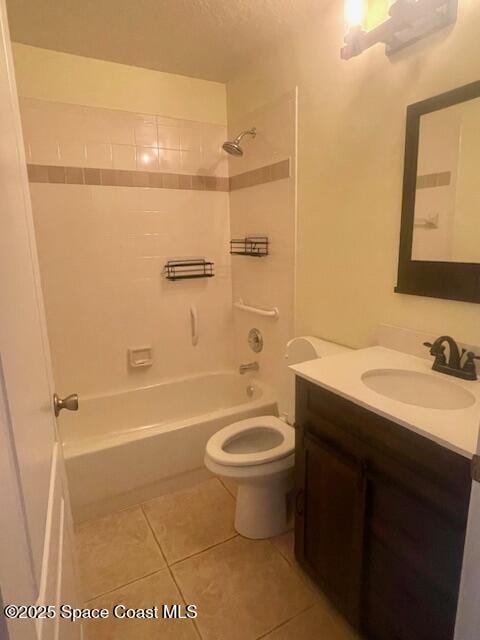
<point x="253" y="441"/>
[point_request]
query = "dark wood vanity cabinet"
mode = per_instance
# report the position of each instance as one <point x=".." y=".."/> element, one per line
<point x="381" y="515"/>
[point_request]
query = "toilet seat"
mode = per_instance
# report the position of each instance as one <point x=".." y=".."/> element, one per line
<point x="258" y="428"/>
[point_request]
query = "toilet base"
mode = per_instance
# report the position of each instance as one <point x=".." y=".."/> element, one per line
<point x="264" y="495"/>
<point x="262" y="509"/>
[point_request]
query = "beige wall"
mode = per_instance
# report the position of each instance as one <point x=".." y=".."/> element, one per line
<point x="61" y="77"/>
<point x="350" y="162"/>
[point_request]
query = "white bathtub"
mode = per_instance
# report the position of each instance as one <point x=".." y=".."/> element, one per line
<point x="127" y="447"/>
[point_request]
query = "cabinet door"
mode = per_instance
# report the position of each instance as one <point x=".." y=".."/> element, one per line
<point x="412" y="565"/>
<point x="330" y="522"/>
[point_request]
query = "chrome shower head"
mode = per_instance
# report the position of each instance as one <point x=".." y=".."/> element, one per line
<point x="233" y="146"/>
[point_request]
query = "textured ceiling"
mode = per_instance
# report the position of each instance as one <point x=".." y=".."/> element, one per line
<point x="207" y="39"/>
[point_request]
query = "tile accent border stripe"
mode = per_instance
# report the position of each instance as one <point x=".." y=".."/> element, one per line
<point x="122" y="178"/>
<point x="52" y="174"/>
<point x="270" y="173"/>
<point x="430" y="180"/>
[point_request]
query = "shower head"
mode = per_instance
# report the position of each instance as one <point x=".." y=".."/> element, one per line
<point x="233" y="146"/>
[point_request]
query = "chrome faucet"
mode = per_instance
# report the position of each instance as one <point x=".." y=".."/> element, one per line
<point x="251" y="366"/>
<point x="454" y="366"/>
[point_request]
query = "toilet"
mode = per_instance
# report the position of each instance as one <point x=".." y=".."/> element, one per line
<point x="258" y="453"/>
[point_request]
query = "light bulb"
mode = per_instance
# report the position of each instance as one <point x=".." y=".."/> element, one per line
<point x="354" y="13"/>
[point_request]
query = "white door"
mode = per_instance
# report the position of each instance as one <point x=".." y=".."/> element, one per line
<point x="468" y="618"/>
<point x="36" y="563"/>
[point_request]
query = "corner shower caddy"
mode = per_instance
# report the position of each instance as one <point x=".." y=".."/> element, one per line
<point x="187" y="269"/>
<point x="256" y="246"/>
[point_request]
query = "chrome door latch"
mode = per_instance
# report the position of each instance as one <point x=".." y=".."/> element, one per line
<point x="70" y="403"/>
<point x="476" y="468"/>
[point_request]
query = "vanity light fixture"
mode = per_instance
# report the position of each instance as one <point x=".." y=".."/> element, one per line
<point x="408" y="22"/>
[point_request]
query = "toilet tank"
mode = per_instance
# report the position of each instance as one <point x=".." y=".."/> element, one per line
<point x="299" y="350"/>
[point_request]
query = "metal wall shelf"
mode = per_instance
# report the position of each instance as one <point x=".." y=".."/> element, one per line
<point x="256" y="246"/>
<point x="188" y="269"/>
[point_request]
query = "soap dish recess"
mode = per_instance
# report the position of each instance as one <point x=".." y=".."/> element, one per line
<point x="140" y="357"/>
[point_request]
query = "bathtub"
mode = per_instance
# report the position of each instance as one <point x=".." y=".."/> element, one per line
<point x="127" y="447"/>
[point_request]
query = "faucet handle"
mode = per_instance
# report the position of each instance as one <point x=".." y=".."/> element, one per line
<point x="437" y="349"/>
<point x="469" y="365"/>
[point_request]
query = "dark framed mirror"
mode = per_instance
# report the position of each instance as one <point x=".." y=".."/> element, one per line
<point x="440" y="230"/>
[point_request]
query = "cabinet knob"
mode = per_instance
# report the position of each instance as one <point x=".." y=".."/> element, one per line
<point x="300" y="502"/>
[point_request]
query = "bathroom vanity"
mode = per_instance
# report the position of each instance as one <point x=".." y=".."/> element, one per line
<point x="383" y="492"/>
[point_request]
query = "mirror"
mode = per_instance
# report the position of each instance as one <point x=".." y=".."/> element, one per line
<point x="440" y="233"/>
<point x="447" y="199"/>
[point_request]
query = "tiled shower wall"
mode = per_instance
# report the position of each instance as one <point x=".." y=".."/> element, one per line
<point x="115" y="195"/>
<point x="266" y="208"/>
<point x="104" y="234"/>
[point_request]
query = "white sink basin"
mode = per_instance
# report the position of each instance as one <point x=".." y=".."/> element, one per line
<point x="419" y="389"/>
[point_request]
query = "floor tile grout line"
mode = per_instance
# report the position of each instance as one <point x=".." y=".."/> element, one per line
<point x="169" y="493"/>
<point x="192" y="555"/>
<point x="307" y="608"/>
<point x="290" y="563"/>
<point x="307" y="582"/>
<point x="182" y="595"/>
<point x="315" y="591"/>
<point x="106" y="515"/>
<point x="126" y="584"/>
<point x="143" y="502"/>
<point x="209" y="548"/>
<point x="184" y="600"/>
<point x="230" y="493"/>
<point x="226" y="488"/>
<point x="283" y="556"/>
<point x="155" y="538"/>
<point x="285" y="622"/>
<point x="170" y="566"/>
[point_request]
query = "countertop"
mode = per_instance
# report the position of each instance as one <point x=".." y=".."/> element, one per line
<point x="456" y="429"/>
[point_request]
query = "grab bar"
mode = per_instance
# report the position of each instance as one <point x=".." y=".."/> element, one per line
<point x="194" y="323"/>
<point x="267" y="313"/>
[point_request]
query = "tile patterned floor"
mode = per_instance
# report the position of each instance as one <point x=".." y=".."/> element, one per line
<point x="183" y="524"/>
<point x="181" y="548"/>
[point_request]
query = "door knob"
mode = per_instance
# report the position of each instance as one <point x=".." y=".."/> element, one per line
<point x="70" y="403"/>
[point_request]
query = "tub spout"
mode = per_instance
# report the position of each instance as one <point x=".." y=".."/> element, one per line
<point x="251" y="366"/>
